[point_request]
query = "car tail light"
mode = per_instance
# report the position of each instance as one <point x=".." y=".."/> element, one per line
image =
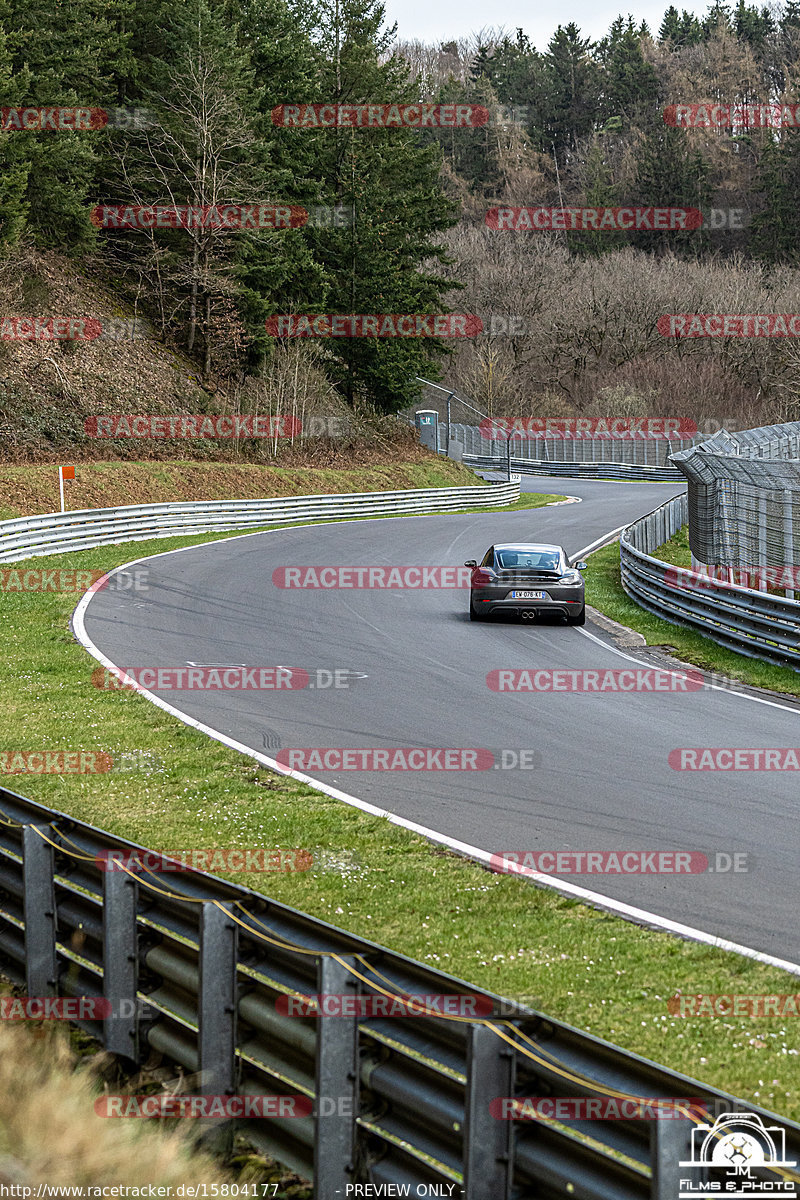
<point x="482" y="577"/>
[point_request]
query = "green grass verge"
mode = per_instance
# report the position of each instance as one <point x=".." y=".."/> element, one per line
<point x="586" y="967"/>
<point x="604" y="592"/>
<point x="526" y="500"/>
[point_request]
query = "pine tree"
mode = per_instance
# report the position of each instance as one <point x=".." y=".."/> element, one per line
<point x="774" y="233"/>
<point x="390" y="179"/>
<point x="473" y="154"/>
<point x="515" y="72"/>
<point x="283" y="273"/>
<point x="691" y="30"/>
<point x="63" y="51"/>
<point x="14" y="160"/>
<point x="790" y="18"/>
<point x="717" y="17"/>
<point x="630" y="84"/>
<point x="751" y="25"/>
<point x="670" y="25"/>
<point x="600" y="191"/>
<point x="680" y="29"/>
<point x="482" y="64"/>
<point x="572" y="83"/>
<point x="672" y="175"/>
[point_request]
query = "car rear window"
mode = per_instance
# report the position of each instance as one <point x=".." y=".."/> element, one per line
<point x="543" y="560"/>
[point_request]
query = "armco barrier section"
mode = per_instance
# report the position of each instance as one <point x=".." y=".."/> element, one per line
<point x="751" y="622"/>
<point x="575" y="458"/>
<point x="192" y="969"/>
<point x="643" y="452"/>
<point x="30" y="537"/>
<point x="573" y="470"/>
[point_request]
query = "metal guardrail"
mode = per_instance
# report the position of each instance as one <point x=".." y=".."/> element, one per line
<point x="402" y="1101"/>
<point x="30" y="537"/>
<point x="573" y="470"/>
<point x="750" y="622"/>
<point x="580" y="450"/>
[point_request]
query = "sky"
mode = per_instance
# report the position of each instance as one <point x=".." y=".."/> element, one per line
<point x="458" y="18"/>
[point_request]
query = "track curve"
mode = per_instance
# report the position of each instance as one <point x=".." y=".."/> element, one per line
<point x="604" y="781"/>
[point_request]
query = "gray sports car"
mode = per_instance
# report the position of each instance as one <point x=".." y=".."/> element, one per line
<point x="527" y="579"/>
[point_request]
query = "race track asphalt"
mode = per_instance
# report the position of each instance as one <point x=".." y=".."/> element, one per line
<point x="419" y="667"/>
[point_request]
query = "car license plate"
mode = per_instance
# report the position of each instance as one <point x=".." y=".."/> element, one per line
<point x="529" y="595"/>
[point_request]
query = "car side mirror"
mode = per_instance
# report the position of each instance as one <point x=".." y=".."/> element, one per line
<point x="471" y="562"/>
<point x="580" y="566"/>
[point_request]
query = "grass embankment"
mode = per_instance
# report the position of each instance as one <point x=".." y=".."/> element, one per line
<point x="34" y="489"/>
<point x="594" y="970"/>
<point x="604" y="592"/>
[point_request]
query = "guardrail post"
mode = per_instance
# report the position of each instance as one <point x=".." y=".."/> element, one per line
<point x="676" y="513"/>
<point x="121" y="963"/>
<point x="336" y="1085"/>
<point x="670" y="1144"/>
<point x="39" y="908"/>
<point x="488" y="1156"/>
<point x="217" y="1000"/>
<point x="788" y="540"/>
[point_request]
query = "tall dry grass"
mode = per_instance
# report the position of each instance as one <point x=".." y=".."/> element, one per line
<point x="50" y="1134"/>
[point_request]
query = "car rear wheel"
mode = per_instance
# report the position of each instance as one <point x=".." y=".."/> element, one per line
<point x="475" y="616"/>
<point x="579" y="618"/>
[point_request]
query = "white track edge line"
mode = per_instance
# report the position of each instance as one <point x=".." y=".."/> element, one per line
<point x="596" y="899"/>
